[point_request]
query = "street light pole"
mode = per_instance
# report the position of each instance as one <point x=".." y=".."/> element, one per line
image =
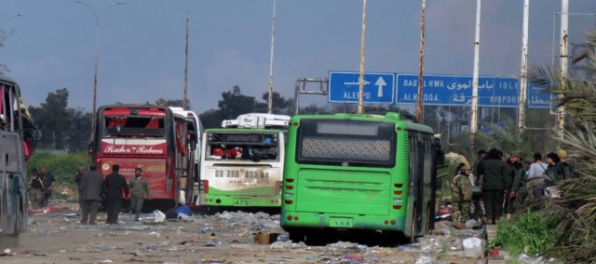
<point x="97" y="23"/>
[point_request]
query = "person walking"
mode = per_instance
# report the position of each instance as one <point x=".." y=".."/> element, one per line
<point x="461" y="196"/>
<point x="36" y="189"/>
<point x="516" y="191"/>
<point x="113" y="187"/>
<point x="78" y="178"/>
<point x="90" y="194"/>
<point x="494" y="179"/>
<point x="49" y="182"/>
<point x="139" y="189"/>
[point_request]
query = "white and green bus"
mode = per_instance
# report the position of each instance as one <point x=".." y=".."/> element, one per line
<point x="242" y="162"/>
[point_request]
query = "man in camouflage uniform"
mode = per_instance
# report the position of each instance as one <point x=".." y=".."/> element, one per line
<point x="516" y="193"/>
<point x="461" y="196"/>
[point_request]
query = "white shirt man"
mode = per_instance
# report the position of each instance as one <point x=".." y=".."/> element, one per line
<point x="537" y="168"/>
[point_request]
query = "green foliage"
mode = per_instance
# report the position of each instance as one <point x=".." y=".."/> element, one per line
<point x="63" y="166"/>
<point x="529" y="233"/>
<point x="61" y="127"/>
<point x="576" y="209"/>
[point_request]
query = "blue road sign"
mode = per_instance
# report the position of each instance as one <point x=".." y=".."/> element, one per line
<point x="457" y="91"/>
<point x="344" y="87"/>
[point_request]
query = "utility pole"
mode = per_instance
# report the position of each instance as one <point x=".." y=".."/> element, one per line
<point x="184" y="105"/>
<point x="564" y="59"/>
<point x="362" y="48"/>
<point x="474" y="114"/>
<point x="270" y="99"/>
<point x="97" y="20"/>
<point x="419" y="106"/>
<point x="523" y="88"/>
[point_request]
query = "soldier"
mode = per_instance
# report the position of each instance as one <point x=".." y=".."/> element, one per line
<point x="461" y="196"/>
<point x="36" y="189"/>
<point x="139" y="188"/>
<point x="517" y="192"/>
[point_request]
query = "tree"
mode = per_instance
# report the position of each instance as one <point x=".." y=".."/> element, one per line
<point x="279" y="104"/>
<point x="61" y="127"/>
<point x="234" y="103"/>
<point x="576" y="210"/>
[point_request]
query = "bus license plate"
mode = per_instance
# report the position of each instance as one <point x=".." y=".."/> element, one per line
<point x="241" y="202"/>
<point x="341" y="222"/>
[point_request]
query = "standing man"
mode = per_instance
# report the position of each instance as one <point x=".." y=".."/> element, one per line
<point x="48" y="182"/>
<point x="36" y="189"/>
<point x="90" y="194"/>
<point x="516" y="193"/>
<point x="78" y="178"/>
<point x="139" y="188"/>
<point x="461" y="196"/>
<point x="494" y="181"/>
<point x="477" y="194"/>
<point x="113" y="186"/>
<point x="536" y="177"/>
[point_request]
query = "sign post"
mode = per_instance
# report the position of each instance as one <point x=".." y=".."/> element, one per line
<point x="377" y="87"/>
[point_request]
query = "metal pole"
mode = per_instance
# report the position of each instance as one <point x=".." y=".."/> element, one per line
<point x="474" y="115"/>
<point x="523" y="88"/>
<point x="97" y="19"/>
<point x="185" y="99"/>
<point x="419" y="106"/>
<point x="362" y="47"/>
<point x="563" y="63"/>
<point x="270" y="99"/>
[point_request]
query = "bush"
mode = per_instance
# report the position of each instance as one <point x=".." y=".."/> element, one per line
<point x="529" y="233"/>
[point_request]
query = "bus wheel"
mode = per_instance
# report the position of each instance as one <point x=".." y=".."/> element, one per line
<point x="9" y="240"/>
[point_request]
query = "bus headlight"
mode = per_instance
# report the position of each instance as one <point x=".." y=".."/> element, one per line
<point x="397" y="200"/>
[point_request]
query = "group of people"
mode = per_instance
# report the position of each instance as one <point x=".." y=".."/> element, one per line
<point x="504" y="184"/>
<point x="40" y="187"/>
<point x="93" y="188"/>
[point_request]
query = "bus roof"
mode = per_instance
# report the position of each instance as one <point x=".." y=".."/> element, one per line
<point x="388" y="117"/>
<point x="5" y="78"/>
<point x="257" y="120"/>
<point x="134" y="109"/>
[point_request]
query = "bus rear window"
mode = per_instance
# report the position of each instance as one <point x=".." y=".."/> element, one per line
<point x="243" y="146"/>
<point x="134" y="126"/>
<point x="346" y="142"/>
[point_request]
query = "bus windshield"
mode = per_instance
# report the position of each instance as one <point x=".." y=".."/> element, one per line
<point x="346" y="143"/>
<point x="242" y="145"/>
<point x="138" y="126"/>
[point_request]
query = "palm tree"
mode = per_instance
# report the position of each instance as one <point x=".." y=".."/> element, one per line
<point x="576" y="208"/>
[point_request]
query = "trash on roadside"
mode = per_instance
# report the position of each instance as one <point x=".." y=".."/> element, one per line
<point x="158" y="216"/>
<point x="472" y="243"/>
<point x="265" y="238"/>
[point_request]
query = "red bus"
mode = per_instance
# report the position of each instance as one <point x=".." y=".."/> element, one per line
<point x="154" y="139"/>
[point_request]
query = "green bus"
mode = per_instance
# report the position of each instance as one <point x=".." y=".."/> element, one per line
<point x="351" y="172"/>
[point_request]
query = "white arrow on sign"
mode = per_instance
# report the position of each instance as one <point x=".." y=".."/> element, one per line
<point x="380" y="83"/>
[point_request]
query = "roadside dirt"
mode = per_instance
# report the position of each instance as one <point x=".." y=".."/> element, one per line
<point x="58" y="237"/>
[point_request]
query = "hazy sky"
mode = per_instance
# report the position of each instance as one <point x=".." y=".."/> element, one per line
<point x="141" y="43"/>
